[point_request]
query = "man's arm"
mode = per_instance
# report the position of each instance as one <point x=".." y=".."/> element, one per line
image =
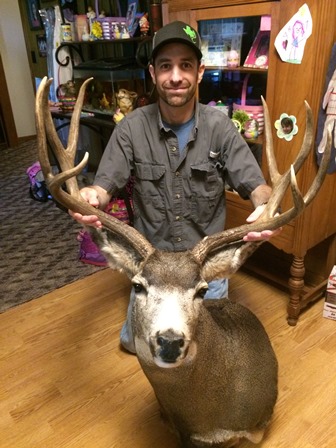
<point x="260" y="195"/>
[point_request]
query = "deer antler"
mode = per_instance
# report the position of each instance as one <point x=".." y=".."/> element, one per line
<point x="71" y="198"/>
<point x="270" y="220"/>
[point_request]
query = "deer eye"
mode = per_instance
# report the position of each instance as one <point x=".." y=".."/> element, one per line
<point x="137" y="287"/>
<point x="201" y="292"/>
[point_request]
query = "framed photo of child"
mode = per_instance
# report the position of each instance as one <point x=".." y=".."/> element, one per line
<point x="34" y="19"/>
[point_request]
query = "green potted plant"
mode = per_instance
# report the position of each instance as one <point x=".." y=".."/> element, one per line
<point x="241" y="117"/>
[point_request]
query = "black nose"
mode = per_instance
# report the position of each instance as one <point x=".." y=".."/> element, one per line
<point x="169" y="348"/>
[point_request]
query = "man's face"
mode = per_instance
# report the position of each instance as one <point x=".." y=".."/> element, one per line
<point x="176" y="73"/>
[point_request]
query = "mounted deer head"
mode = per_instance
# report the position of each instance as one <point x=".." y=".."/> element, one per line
<point x="210" y="363"/>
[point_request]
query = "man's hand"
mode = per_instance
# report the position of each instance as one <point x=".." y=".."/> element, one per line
<point x="91" y="196"/>
<point x="265" y="235"/>
<point x="89" y="220"/>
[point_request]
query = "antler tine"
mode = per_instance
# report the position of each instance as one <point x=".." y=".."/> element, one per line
<point x="272" y="164"/>
<point x="267" y="221"/>
<point x="72" y="199"/>
<point x="42" y="99"/>
<point x="66" y="156"/>
<point x="280" y="183"/>
<point x="74" y="125"/>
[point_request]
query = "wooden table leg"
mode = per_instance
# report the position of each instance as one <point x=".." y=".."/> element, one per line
<point x="296" y="285"/>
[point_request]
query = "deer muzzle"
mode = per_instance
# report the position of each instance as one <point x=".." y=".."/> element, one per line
<point x="169" y="348"/>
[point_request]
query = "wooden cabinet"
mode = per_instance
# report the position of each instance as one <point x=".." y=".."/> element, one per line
<point x="301" y="257"/>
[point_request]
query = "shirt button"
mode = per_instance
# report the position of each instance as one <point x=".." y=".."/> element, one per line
<point x="173" y="148"/>
<point x="177" y="218"/>
<point x="179" y="239"/>
<point x="177" y="173"/>
<point x="177" y="196"/>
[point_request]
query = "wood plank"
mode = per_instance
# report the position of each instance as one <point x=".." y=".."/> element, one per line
<point x="65" y="382"/>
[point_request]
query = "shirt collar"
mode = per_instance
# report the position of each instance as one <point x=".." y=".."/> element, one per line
<point x="164" y="129"/>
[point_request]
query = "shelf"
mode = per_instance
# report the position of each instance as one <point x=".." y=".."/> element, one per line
<point x="108" y="72"/>
<point x="99" y="120"/>
<point x="140" y="48"/>
<point x="239" y="69"/>
<point x="137" y="40"/>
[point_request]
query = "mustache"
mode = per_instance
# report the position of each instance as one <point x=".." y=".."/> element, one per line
<point x="176" y="85"/>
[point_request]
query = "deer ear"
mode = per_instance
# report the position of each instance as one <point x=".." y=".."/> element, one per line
<point x="225" y="262"/>
<point x="120" y="255"/>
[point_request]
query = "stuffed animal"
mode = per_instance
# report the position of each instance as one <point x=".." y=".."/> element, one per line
<point x="126" y="100"/>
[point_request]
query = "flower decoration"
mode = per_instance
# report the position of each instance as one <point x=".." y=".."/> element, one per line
<point x="241" y="116"/>
<point x="286" y="126"/>
<point x="96" y="30"/>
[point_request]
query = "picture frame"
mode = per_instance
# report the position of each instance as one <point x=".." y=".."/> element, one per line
<point x="41" y="45"/>
<point x="34" y="19"/>
<point x="258" y="54"/>
<point x="132" y="8"/>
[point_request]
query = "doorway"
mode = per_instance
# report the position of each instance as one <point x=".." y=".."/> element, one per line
<point x="8" y="135"/>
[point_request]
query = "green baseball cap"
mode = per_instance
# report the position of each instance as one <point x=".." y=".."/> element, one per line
<point x="177" y="32"/>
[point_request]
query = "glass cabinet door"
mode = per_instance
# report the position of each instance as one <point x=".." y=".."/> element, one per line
<point x="236" y="54"/>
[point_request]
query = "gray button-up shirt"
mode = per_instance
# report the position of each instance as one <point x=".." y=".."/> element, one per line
<point x="178" y="197"/>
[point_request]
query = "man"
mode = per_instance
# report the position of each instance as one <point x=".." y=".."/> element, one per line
<point x="181" y="154"/>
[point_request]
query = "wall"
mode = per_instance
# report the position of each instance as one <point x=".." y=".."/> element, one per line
<point x="15" y="61"/>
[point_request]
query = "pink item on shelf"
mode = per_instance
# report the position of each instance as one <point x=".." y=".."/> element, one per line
<point x="255" y="111"/>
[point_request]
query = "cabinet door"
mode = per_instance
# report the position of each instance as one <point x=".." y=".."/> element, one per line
<point x="235" y="53"/>
<point x="229" y="81"/>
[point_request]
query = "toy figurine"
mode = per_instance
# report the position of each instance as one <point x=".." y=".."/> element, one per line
<point x="251" y="129"/>
<point x="104" y="102"/>
<point x="144" y="25"/>
<point x="118" y="116"/>
<point x="233" y="59"/>
<point x="126" y="100"/>
<point x="90" y="14"/>
<point x="66" y="94"/>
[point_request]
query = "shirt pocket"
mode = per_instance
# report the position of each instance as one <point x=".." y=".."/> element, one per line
<point x="149" y="191"/>
<point x="207" y="193"/>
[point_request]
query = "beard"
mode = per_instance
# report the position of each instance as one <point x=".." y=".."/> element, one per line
<point x="177" y="99"/>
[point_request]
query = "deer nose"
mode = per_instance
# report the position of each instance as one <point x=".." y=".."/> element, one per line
<point x="169" y="347"/>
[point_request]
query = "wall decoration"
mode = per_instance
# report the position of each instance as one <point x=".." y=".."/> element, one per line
<point x="291" y="40"/>
<point x="131" y="12"/>
<point x="42" y="45"/>
<point x="327" y="115"/>
<point x="68" y="9"/>
<point x="286" y="126"/>
<point x="34" y="19"/>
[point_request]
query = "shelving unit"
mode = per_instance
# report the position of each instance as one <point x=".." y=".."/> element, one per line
<point x="114" y="64"/>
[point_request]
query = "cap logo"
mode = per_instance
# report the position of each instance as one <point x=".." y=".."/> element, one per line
<point x="191" y="33"/>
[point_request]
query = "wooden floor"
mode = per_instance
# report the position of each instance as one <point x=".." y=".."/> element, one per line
<point x="64" y="382"/>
